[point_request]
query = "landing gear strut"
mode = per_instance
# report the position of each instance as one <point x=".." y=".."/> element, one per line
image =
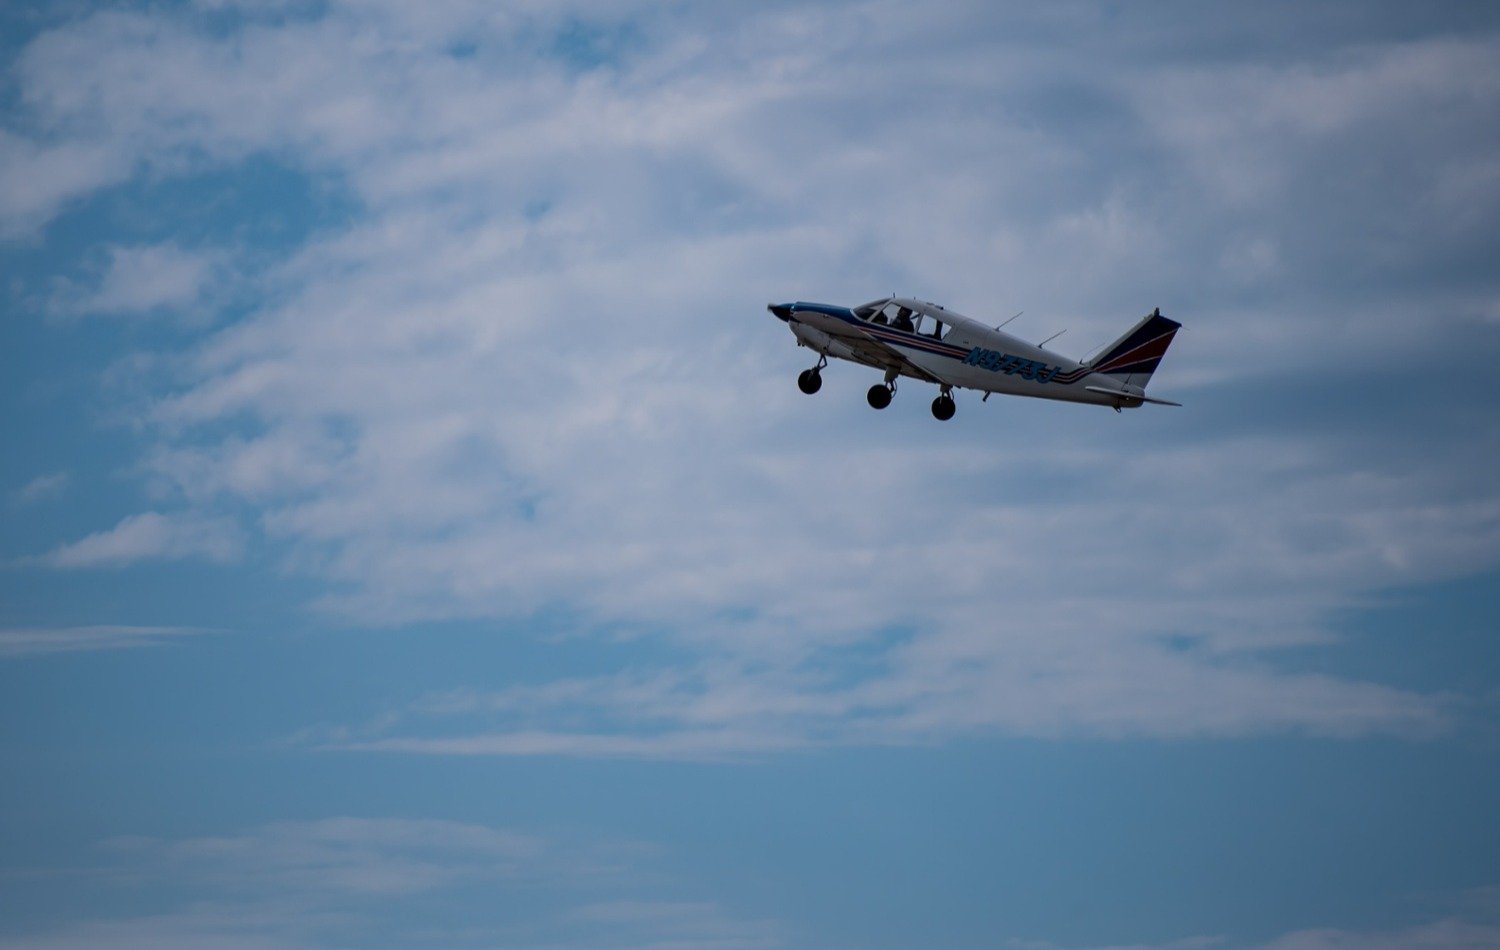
<point x="811" y="380"/>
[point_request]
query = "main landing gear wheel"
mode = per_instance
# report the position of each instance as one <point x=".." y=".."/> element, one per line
<point x="879" y="396"/>
<point x="943" y="407"/>
<point x="810" y="381"/>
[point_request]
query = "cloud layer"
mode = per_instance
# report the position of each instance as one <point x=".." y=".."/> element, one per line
<point x="346" y="880"/>
<point x="532" y="374"/>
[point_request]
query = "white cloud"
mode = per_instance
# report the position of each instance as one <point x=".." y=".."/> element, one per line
<point x="1245" y="130"/>
<point x="146" y="279"/>
<point x="41" y="488"/>
<point x="37" y="179"/>
<point x="33" y="641"/>
<point x="150" y="536"/>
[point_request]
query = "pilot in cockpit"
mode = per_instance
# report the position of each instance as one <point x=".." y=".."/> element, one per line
<point x="903" y="320"/>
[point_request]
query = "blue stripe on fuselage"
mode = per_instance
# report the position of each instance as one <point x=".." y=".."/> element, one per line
<point x="843" y="313"/>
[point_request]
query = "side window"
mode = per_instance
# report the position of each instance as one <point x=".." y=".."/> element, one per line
<point x="901" y="320"/>
<point x="939" y="330"/>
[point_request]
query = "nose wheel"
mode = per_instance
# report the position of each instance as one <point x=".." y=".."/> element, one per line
<point x="811" y="380"/>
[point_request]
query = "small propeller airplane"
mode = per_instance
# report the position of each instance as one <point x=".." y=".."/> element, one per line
<point x="924" y="341"/>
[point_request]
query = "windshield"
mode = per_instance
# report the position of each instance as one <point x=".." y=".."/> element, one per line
<point x="889" y="311"/>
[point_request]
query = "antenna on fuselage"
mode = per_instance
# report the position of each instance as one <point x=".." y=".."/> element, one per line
<point x="1051" y="338"/>
<point x="1018" y="313"/>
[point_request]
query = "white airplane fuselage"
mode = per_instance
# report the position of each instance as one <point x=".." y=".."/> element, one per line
<point x="924" y="341"/>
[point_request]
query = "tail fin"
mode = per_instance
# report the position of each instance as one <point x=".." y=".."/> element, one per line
<point x="1134" y="357"/>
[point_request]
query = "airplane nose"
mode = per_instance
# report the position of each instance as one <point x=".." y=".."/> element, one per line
<point x="783" y="311"/>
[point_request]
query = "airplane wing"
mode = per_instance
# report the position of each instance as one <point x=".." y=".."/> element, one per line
<point x="874" y="352"/>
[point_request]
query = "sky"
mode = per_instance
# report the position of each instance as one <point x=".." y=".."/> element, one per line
<point x="412" y="534"/>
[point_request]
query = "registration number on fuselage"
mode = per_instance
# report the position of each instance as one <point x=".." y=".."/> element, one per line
<point x="1011" y="365"/>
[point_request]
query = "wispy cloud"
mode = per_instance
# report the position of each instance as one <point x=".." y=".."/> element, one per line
<point x="352" y="856"/>
<point x="149" y="536"/>
<point x="1451" y="934"/>
<point x="145" y="280"/>
<point x="37" y="180"/>
<point x="675" y="923"/>
<point x="925" y="691"/>
<point x="33" y="641"/>
<point x="342" y="881"/>
<point x="1186" y="943"/>
<point x="41" y="488"/>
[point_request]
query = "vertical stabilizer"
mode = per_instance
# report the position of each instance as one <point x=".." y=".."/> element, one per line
<point x="1134" y="357"/>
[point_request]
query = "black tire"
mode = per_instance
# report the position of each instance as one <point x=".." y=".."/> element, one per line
<point x="879" y="396"/>
<point x="943" y="408"/>
<point x="810" y="381"/>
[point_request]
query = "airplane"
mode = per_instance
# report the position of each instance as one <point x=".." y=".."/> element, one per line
<point x="924" y="341"/>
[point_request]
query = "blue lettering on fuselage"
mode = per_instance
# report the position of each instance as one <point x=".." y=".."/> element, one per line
<point x="1011" y="365"/>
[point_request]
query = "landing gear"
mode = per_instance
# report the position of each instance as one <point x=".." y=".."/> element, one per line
<point x="811" y="380"/>
<point x="943" y="407"/>
<point x="880" y="395"/>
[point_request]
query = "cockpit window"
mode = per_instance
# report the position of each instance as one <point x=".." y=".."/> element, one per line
<point x="873" y="309"/>
<point x="928" y="325"/>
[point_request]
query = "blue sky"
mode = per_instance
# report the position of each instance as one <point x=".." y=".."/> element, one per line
<point x="413" y="534"/>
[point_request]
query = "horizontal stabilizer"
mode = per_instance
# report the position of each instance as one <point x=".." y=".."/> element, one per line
<point x="1125" y="395"/>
